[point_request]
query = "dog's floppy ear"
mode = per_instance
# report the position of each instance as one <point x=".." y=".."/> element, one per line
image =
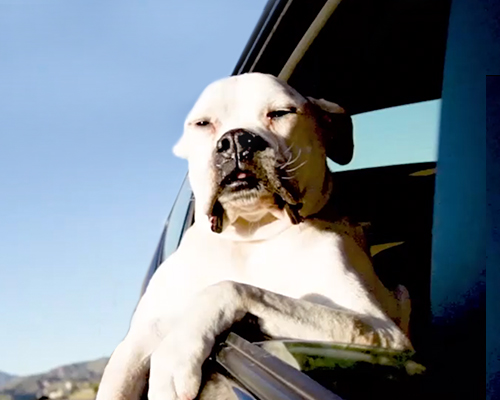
<point x="336" y="130"/>
<point x="181" y="147"/>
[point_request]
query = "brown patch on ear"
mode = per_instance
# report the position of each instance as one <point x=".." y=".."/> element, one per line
<point x="336" y="130"/>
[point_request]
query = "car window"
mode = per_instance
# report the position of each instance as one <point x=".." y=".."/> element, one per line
<point x="177" y="218"/>
<point x="398" y="135"/>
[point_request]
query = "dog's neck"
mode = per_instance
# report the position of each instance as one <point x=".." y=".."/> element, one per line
<point x="268" y="226"/>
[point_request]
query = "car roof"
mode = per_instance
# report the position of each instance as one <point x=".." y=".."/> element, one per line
<point x="369" y="55"/>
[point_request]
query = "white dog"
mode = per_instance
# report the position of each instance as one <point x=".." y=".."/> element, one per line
<point x="262" y="243"/>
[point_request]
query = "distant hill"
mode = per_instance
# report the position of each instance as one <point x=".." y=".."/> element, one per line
<point x="72" y="375"/>
<point x="4" y="378"/>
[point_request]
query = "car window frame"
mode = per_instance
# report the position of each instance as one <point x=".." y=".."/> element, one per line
<point x="161" y="253"/>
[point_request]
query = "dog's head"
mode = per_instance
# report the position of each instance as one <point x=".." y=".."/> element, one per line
<point x="257" y="155"/>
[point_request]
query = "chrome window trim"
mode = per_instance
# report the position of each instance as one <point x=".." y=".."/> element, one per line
<point x="266" y="376"/>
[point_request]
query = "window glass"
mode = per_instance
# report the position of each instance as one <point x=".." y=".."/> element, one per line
<point x="176" y="219"/>
<point x="398" y="135"/>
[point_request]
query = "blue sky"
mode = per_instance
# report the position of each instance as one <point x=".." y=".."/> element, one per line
<point x="93" y="95"/>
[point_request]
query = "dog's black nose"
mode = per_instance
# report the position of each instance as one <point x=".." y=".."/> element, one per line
<point x="240" y="144"/>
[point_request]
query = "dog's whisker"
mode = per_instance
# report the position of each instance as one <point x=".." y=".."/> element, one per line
<point x="297" y="167"/>
<point x="283" y="165"/>
<point x="295" y="159"/>
<point x="288" y="149"/>
<point x="286" y="163"/>
<point x="289" y="158"/>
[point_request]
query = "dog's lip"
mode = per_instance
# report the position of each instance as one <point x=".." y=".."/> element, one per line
<point x="238" y="178"/>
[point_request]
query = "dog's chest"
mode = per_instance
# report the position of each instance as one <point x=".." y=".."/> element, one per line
<point x="296" y="268"/>
<point x="297" y="264"/>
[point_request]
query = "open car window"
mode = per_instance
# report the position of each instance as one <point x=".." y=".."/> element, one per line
<point x="399" y="135"/>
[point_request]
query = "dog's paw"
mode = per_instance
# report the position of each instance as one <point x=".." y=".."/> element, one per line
<point x="175" y="372"/>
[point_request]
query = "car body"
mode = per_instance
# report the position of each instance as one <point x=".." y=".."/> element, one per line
<point x="371" y="56"/>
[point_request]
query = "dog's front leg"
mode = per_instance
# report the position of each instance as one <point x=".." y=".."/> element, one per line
<point x="176" y="363"/>
<point x="126" y="373"/>
<point x="285" y="317"/>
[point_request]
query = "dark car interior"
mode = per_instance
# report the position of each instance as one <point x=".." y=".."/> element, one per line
<point x="370" y="54"/>
<point x="395" y="204"/>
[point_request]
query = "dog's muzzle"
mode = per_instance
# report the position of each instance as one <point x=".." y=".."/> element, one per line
<point x="238" y="162"/>
<point x="246" y="165"/>
<point x="236" y="150"/>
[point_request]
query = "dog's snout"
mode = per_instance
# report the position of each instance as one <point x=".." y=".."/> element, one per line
<point x="240" y="144"/>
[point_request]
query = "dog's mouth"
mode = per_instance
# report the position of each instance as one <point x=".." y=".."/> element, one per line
<point x="240" y="181"/>
<point x="243" y="188"/>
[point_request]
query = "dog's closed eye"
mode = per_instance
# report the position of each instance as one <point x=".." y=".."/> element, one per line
<point x="202" y="123"/>
<point x="280" y="113"/>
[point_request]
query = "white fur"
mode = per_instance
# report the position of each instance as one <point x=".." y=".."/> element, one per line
<point x="308" y="281"/>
